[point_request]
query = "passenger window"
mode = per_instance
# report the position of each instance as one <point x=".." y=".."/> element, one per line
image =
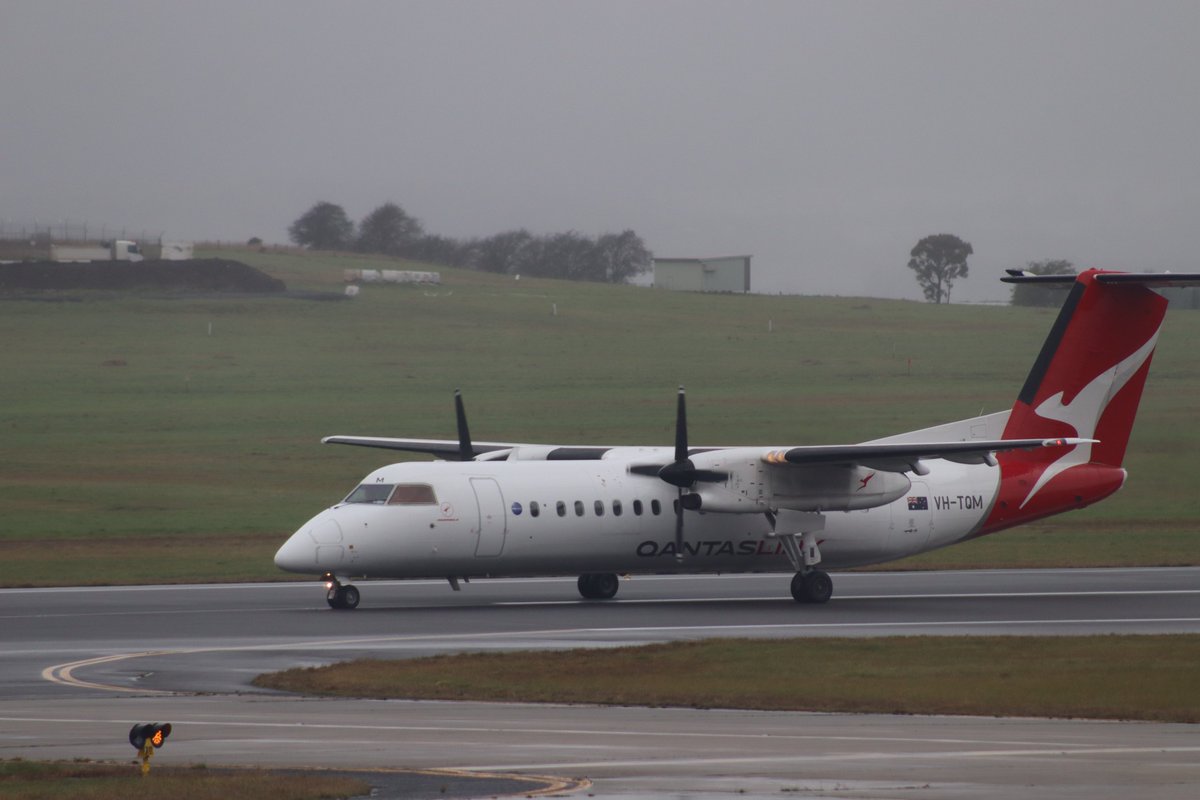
<point x="579" y="508"/>
<point x="561" y="507"/>
<point x="599" y="506"/>
<point x="637" y="508"/>
<point x="413" y="494"/>
<point x="655" y="507"/>
<point x="616" y="508"/>
<point x="534" y="510"/>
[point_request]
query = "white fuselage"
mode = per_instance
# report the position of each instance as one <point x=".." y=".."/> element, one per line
<point x="523" y="518"/>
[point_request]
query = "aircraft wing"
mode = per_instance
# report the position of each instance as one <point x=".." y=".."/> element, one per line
<point x="907" y="457"/>
<point x="442" y="448"/>
<point x="450" y="449"/>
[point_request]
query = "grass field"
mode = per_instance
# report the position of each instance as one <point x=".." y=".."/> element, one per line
<point x="177" y="439"/>
<point x="25" y="780"/>
<point x="973" y="675"/>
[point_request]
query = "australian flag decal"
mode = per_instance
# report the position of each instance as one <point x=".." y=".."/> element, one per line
<point x="918" y="504"/>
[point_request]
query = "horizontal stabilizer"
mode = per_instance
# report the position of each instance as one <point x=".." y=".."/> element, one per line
<point x="1150" y="279"/>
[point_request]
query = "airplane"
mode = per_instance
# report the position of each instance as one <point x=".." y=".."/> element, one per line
<point x="508" y="509"/>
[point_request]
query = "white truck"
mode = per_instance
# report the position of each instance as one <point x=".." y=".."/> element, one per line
<point x="116" y="250"/>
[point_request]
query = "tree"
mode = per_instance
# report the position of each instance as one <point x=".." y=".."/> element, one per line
<point x="325" y="226"/>
<point x="621" y="256"/>
<point x="1031" y="294"/>
<point x="569" y="255"/>
<point x="939" y="260"/>
<point x="503" y="253"/>
<point x="442" y="250"/>
<point x="388" y="230"/>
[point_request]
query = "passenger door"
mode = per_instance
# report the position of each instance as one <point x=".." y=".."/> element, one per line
<point x="493" y="517"/>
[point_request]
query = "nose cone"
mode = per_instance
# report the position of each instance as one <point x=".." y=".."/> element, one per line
<point x="298" y="554"/>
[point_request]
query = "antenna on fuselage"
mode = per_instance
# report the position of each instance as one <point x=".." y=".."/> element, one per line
<point x="466" y="452"/>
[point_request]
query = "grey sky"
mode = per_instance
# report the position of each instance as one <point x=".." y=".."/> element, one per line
<point x="824" y="138"/>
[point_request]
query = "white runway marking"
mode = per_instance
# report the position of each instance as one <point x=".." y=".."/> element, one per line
<point x="775" y="759"/>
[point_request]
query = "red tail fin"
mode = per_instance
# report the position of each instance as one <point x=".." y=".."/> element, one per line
<point x="1086" y="382"/>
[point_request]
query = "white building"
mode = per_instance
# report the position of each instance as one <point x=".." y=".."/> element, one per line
<point x="723" y="274"/>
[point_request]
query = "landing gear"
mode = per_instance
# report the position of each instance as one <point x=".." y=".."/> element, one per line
<point x="813" y="586"/>
<point x="598" y="585"/>
<point x="339" y="596"/>
<point x="803" y="550"/>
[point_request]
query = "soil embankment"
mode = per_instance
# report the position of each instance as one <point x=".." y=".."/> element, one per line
<point x="196" y="275"/>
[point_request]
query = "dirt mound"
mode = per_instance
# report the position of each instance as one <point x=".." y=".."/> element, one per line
<point x="203" y="275"/>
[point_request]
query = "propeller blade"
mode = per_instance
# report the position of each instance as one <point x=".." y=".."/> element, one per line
<point x="466" y="452"/>
<point x="679" y="474"/>
<point x="679" y="526"/>
<point x="681" y="448"/>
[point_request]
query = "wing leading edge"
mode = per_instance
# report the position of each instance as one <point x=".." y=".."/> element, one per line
<point x="908" y="457"/>
<point x="447" y="449"/>
<point x="451" y="449"/>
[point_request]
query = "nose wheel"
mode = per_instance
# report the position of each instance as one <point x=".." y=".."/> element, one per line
<point x="340" y="596"/>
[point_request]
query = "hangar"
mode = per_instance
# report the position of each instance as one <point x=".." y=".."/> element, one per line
<point x="720" y="274"/>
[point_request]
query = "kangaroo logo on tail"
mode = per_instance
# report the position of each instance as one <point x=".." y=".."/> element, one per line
<point x="1083" y="412"/>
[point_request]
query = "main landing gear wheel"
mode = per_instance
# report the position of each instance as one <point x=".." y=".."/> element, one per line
<point x="598" y="585"/>
<point x="343" y="597"/>
<point x="814" y="586"/>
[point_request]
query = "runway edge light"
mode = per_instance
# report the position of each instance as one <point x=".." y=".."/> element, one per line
<point x="147" y="738"/>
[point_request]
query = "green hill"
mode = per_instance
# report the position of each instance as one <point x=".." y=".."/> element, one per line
<point x="173" y="438"/>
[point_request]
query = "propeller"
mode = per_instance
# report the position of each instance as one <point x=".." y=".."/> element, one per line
<point x="680" y="473"/>
<point x="466" y="452"/>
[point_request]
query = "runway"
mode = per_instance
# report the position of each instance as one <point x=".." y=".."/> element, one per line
<point x="80" y="665"/>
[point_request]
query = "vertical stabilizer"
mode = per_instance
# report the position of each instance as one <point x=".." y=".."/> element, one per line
<point x="1087" y="382"/>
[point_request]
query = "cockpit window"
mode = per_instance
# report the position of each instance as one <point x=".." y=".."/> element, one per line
<point x="413" y="494"/>
<point x="371" y="493"/>
<point x="394" y="494"/>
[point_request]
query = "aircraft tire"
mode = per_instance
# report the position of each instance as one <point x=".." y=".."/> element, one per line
<point x="343" y="597"/>
<point x="598" y="585"/>
<point x="812" y="587"/>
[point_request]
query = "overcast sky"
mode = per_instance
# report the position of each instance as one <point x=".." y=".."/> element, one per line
<point x="824" y="138"/>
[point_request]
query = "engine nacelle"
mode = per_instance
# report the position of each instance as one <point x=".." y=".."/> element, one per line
<point x="827" y="488"/>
